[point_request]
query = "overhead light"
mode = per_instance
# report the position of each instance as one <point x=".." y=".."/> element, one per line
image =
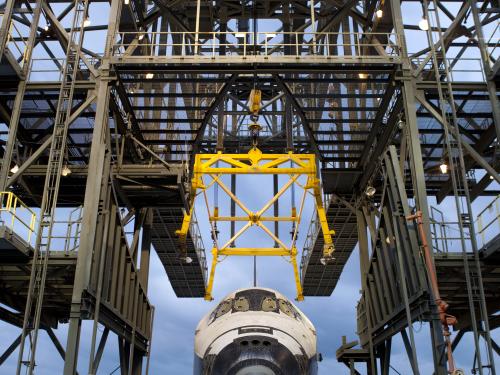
<point x="491" y="177"/>
<point x="379" y="13"/>
<point x="14" y="169"/>
<point x="270" y="35"/>
<point x="186" y="259"/>
<point x="65" y="171"/>
<point x="141" y="36"/>
<point x="363" y="75"/>
<point x="149" y="75"/>
<point x="423" y="24"/>
<point x="126" y="2"/>
<point x="443" y="167"/>
<point x="370" y="191"/>
<point x="401" y="124"/>
<point x="87" y="22"/>
<point x="239" y="35"/>
<point x="46" y="28"/>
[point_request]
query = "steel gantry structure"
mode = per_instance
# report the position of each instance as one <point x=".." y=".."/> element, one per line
<point x="104" y="106"/>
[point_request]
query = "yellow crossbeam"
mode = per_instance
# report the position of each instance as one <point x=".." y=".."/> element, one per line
<point x="257" y="163"/>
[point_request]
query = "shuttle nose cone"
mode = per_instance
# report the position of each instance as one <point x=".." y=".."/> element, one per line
<point x="255" y="355"/>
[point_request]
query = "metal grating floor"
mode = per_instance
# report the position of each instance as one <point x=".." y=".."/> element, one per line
<point x="320" y="280"/>
<point x="188" y="280"/>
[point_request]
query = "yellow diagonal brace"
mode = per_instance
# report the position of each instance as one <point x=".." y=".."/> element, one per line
<point x="271" y="234"/>
<point x="278" y="194"/>
<point x="239" y="233"/>
<point x="232" y="196"/>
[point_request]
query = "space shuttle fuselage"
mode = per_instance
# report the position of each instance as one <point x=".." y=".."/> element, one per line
<point x="255" y="331"/>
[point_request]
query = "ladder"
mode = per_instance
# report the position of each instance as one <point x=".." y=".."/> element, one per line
<point x="34" y="300"/>
<point x="458" y="175"/>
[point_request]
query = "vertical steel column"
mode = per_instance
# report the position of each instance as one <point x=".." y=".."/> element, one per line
<point x="89" y="221"/>
<point x="18" y="101"/>
<point x="5" y="26"/>
<point x="146" y="249"/>
<point x="288" y="124"/>
<point x="92" y="195"/>
<point x="492" y="89"/>
<point x="417" y="169"/>
<point x="364" y="265"/>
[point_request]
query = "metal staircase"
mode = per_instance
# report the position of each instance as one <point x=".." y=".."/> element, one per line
<point x="38" y="277"/>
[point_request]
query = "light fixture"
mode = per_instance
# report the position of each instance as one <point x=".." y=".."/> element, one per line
<point x="401" y="124"/>
<point x="491" y="177"/>
<point x="370" y="191"/>
<point x="46" y="28"/>
<point x="363" y="75"/>
<point x="86" y="22"/>
<point x="239" y="35"/>
<point x="186" y="259"/>
<point x="379" y="13"/>
<point x="149" y="75"/>
<point x="140" y="37"/>
<point x="65" y="171"/>
<point x="443" y="167"/>
<point x="423" y="24"/>
<point x="14" y="169"/>
<point x="126" y="2"/>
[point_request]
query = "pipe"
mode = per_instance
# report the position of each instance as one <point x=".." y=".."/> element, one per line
<point x="447" y="320"/>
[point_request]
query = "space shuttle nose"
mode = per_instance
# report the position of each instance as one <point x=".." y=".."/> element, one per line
<point x="255" y="331"/>
<point x="255" y="355"/>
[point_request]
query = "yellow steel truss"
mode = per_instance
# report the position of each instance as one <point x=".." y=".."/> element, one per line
<point x="257" y="163"/>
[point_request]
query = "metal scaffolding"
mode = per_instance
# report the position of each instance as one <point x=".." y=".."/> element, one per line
<point x="105" y="106"/>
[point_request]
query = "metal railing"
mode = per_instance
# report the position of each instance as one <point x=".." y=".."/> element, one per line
<point x="198" y="243"/>
<point x="494" y="42"/>
<point x="50" y="69"/>
<point x="488" y="222"/>
<point x="461" y="70"/>
<point x="446" y="234"/>
<point x="311" y="236"/>
<point x="229" y="44"/>
<point x="17" y="43"/>
<point x="17" y="216"/>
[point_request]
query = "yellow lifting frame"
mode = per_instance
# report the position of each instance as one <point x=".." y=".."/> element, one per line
<point x="257" y="163"/>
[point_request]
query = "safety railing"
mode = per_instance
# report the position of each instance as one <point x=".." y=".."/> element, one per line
<point x="198" y="243"/>
<point x="461" y="70"/>
<point x="17" y="42"/>
<point x="16" y="216"/>
<point x="446" y="234"/>
<point x="311" y="236"/>
<point x="50" y="69"/>
<point x="227" y="45"/>
<point x="494" y="43"/>
<point x="488" y="222"/>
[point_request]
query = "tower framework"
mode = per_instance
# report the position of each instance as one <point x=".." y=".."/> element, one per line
<point x="104" y="106"/>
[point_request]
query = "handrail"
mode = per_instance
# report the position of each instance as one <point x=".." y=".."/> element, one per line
<point x="230" y="43"/>
<point x="198" y="244"/>
<point x="10" y="206"/>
